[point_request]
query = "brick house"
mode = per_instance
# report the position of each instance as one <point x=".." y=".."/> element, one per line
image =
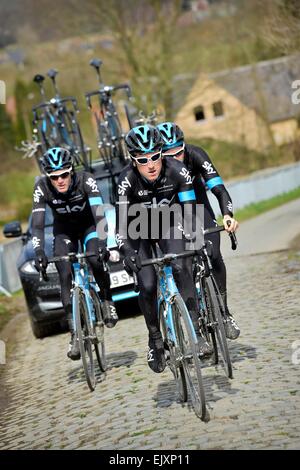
<point x="250" y="105"/>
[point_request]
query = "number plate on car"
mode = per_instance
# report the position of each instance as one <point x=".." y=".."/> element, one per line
<point x="120" y="278"/>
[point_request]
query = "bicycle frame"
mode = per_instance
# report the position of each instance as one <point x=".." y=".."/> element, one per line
<point x="82" y="280"/>
<point x="168" y="290"/>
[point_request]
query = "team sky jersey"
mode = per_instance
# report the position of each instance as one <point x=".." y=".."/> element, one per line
<point x="202" y="169"/>
<point x="74" y="210"/>
<point x="173" y="185"/>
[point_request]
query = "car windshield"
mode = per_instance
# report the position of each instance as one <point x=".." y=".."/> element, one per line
<point x="107" y="187"/>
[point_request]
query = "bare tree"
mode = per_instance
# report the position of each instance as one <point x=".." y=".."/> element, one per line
<point x="283" y="25"/>
<point x="145" y="33"/>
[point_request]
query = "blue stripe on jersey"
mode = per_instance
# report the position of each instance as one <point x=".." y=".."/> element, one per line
<point x="187" y="196"/>
<point x="214" y="182"/>
<point x="89" y="237"/>
<point x="95" y="201"/>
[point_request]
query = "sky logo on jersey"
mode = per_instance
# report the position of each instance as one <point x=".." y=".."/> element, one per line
<point x="69" y="210"/>
<point x="230" y="206"/>
<point x="38" y="193"/>
<point x="35" y="242"/>
<point x="186" y="174"/>
<point x="93" y="185"/>
<point x="123" y="186"/>
<point x="209" y="168"/>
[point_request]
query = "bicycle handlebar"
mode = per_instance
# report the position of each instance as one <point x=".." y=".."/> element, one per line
<point x="166" y="259"/>
<point x="107" y="90"/>
<point x="220" y="228"/>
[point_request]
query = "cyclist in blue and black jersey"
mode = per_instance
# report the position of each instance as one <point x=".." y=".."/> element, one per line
<point x="204" y="174"/>
<point x="74" y="198"/>
<point x="151" y="182"/>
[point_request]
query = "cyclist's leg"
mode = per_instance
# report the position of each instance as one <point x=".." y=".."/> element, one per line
<point x="218" y="265"/>
<point x="219" y="272"/>
<point x="147" y="280"/>
<point x="63" y="244"/>
<point x="91" y="244"/>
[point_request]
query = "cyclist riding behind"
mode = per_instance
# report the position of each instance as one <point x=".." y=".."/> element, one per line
<point x="151" y="182"/>
<point x="74" y="198"/>
<point x="204" y="173"/>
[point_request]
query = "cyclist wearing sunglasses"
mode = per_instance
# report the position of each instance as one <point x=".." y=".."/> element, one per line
<point x="74" y="198"/>
<point x="151" y="182"/>
<point x="204" y="175"/>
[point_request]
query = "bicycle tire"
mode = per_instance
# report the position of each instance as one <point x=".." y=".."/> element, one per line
<point x="175" y="367"/>
<point x="216" y="307"/>
<point x="99" y="330"/>
<point x="207" y="323"/>
<point x="84" y="336"/>
<point x="117" y="138"/>
<point x="190" y="359"/>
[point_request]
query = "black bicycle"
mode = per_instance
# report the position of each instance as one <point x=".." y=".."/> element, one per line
<point x="65" y="110"/>
<point x="55" y="123"/>
<point x="111" y="142"/>
<point x="212" y="310"/>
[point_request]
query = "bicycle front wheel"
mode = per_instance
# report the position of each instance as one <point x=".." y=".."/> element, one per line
<point x="188" y="345"/>
<point x="173" y="361"/>
<point x="99" y="329"/>
<point x="215" y="309"/>
<point x="84" y="336"/>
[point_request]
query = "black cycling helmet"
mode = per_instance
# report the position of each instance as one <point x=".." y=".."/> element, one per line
<point x="171" y="134"/>
<point x="143" y="139"/>
<point x="56" y="158"/>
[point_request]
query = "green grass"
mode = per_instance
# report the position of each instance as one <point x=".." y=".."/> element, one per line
<point x="16" y="189"/>
<point x="233" y="160"/>
<point x="253" y="210"/>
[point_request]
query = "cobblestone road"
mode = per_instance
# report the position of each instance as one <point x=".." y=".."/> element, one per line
<point x="48" y="405"/>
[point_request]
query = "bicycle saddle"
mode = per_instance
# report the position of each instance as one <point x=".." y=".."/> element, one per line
<point x="96" y="63"/>
<point x="38" y="78"/>
<point x="52" y="73"/>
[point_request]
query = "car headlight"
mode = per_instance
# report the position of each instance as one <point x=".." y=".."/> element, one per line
<point x="114" y="256"/>
<point x="29" y="268"/>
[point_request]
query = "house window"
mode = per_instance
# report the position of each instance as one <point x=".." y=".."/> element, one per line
<point x="199" y="113"/>
<point x="218" y="109"/>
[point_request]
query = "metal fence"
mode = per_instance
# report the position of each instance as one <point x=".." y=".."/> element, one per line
<point x="9" y="278"/>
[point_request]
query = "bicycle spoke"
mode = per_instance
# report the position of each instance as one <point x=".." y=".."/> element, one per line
<point x="190" y="359"/>
<point x="215" y="308"/>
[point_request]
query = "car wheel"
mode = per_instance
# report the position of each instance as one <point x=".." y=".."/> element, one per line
<point x="41" y="330"/>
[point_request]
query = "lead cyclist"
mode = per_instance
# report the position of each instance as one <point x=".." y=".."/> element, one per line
<point x="204" y="174"/>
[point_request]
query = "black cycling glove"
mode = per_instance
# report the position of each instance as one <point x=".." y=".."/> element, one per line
<point x="104" y="254"/>
<point x="132" y="263"/>
<point x="40" y="260"/>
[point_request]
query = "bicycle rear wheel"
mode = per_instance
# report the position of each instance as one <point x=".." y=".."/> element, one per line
<point x="84" y="336"/>
<point x="190" y="360"/>
<point x="207" y="324"/>
<point x="215" y="310"/>
<point x="99" y="329"/>
<point x="173" y="362"/>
